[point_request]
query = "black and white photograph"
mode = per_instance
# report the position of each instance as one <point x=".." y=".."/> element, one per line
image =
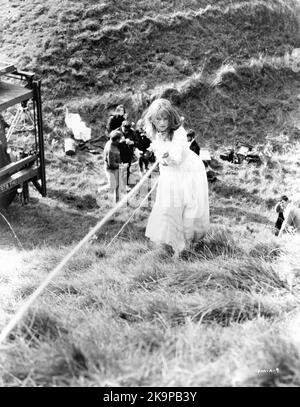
<point x="149" y="196"/>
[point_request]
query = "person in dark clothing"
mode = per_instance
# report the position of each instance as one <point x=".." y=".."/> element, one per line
<point x="194" y="146"/>
<point x="142" y="145"/>
<point x="116" y="119"/>
<point x="127" y="146"/>
<point x="279" y="208"/>
<point x="111" y="156"/>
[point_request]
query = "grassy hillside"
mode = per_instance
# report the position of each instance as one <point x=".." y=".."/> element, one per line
<point x="225" y="314"/>
<point x="216" y="317"/>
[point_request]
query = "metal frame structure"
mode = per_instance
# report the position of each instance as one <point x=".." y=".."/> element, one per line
<point x="20" y="87"/>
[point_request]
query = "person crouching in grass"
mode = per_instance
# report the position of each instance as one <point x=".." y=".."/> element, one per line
<point x="112" y="160"/>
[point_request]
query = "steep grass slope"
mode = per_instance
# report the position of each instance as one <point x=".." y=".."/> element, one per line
<point x="132" y="316"/>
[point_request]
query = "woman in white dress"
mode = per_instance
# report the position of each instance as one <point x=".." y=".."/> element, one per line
<point x="180" y="215"/>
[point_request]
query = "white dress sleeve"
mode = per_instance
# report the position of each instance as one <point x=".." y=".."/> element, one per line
<point x="174" y="148"/>
<point x="177" y="147"/>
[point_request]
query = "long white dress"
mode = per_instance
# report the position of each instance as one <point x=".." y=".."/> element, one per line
<point x="181" y="210"/>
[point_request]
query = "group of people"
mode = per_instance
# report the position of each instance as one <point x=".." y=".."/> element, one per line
<point x="124" y="143"/>
<point x="180" y="215"/>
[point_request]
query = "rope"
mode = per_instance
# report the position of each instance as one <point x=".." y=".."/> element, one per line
<point x="24" y="308"/>
<point x="135" y="211"/>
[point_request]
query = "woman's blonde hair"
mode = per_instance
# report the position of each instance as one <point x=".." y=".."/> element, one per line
<point x="140" y="125"/>
<point x="161" y="106"/>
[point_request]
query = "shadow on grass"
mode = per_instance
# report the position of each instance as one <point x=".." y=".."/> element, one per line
<point x="221" y="308"/>
<point x="86" y="202"/>
<point x="132" y="231"/>
<point x="233" y="191"/>
<point x="40" y="224"/>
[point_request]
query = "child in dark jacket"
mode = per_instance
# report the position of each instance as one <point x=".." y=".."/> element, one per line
<point x="111" y="155"/>
<point x="127" y="146"/>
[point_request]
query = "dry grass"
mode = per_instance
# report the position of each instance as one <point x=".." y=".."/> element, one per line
<point x="152" y="305"/>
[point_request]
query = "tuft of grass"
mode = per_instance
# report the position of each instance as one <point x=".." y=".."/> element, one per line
<point x="245" y="274"/>
<point x="267" y="250"/>
<point x="218" y="242"/>
<point x="221" y="308"/>
<point x="277" y="361"/>
<point x="149" y="275"/>
<point x="232" y="309"/>
<point x="68" y="363"/>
